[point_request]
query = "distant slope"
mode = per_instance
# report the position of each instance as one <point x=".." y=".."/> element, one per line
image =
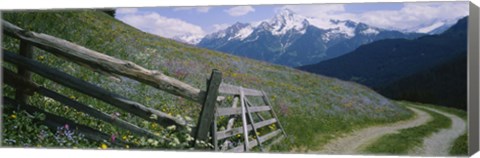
<point x="305" y="103"/>
<point x="444" y="84"/>
<point x="382" y="63"/>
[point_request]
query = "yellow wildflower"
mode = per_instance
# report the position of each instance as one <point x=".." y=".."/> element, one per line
<point x="41" y="57"/>
<point x="13" y="116"/>
<point x="104" y="146"/>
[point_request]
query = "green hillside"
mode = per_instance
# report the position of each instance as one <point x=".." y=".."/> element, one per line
<point x="312" y="108"/>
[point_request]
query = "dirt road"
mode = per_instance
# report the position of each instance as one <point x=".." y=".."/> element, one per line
<point x="439" y="144"/>
<point x="353" y="143"/>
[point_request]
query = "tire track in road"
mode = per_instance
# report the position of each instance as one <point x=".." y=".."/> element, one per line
<point x="352" y="143"/>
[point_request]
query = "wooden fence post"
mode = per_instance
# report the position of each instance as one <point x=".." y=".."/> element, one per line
<point x="213" y="133"/>
<point x="26" y="50"/>
<point x="244" y="119"/>
<point x="208" y="107"/>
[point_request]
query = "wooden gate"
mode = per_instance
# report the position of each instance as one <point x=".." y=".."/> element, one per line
<point x="253" y="119"/>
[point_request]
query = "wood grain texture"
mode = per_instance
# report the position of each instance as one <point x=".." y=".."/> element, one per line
<point x="235" y="90"/>
<point x="208" y="109"/>
<point x="237" y="111"/>
<point x="26" y="50"/>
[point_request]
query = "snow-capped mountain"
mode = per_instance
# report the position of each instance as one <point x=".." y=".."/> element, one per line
<point x="437" y="26"/>
<point x="285" y="21"/>
<point x="294" y="40"/>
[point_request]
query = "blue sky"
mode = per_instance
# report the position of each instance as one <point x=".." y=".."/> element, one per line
<point x="173" y="21"/>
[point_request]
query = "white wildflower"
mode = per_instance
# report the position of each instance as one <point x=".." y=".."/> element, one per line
<point x="150" y="140"/>
<point x="172" y="127"/>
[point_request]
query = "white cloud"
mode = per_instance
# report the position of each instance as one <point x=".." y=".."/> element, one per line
<point x="218" y="27"/>
<point x="317" y="10"/>
<point x="198" y="9"/>
<point x="126" y="10"/>
<point x="240" y="10"/>
<point x="160" y="25"/>
<point x="203" y="9"/>
<point x="411" y="16"/>
<point x="414" y="14"/>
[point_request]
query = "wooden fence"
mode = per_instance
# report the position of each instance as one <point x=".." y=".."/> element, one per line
<point x="209" y="98"/>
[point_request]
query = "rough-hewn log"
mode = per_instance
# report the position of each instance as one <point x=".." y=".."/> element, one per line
<point x="235" y="90"/>
<point x="96" y="60"/>
<point x="53" y="121"/>
<point x="208" y="109"/>
<point x="11" y="79"/>
<point x="26" y="50"/>
<point x="93" y="90"/>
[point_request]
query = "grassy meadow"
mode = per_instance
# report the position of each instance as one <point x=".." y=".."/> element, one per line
<point x="313" y="109"/>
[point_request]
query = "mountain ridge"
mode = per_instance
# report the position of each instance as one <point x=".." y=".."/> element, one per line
<point x="294" y="40"/>
<point x="382" y="63"/>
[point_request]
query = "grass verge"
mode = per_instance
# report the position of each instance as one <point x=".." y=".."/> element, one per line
<point x="460" y="146"/>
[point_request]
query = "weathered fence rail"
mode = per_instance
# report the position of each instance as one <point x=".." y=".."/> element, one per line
<point x="13" y="80"/>
<point x="101" y="62"/>
<point x="209" y="98"/>
<point x="91" y="90"/>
